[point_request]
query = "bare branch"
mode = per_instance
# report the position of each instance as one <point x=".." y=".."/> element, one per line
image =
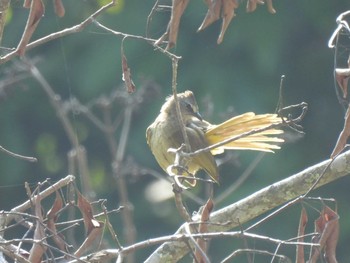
<point x="47" y="192"/>
<point x="22" y="157"/>
<point x="178" y="238"/>
<point x="260" y="202"/>
<point x="64" y="32"/>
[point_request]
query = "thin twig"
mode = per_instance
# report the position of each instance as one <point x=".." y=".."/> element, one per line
<point x="113" y="253"/>
<point x="109" y="226"/>
<point x="236" y="253"/>
<point x="13" y="252"/>
<point x="149" y="17"/>
<point x="118" y="155"/>
<point x="342" y="23"/>
<point x="55" y="102"/>
<point x="64" y="32"/>
<point x="45" y="193"/>
<point x="15" y="155"/>
<point x="74" y="105"/>
<point x="204" y="258"/>
<point x="179" y="203"/>
<point x="280" y="95"/>
<point x="57" y="105"/>
<point x="148" y="40"/>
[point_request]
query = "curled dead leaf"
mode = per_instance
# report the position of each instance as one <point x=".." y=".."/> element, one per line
<point x="93" y="227"/>
<point x="90" y="239"/>
<point x="228" y="12"/>
<point x="130" y="86"/>
<point x="37" y="10"/>
<point x="178" y="8"/>
<point x="327" y="225"/>
<point x="300" y="254"/>
<point x="216" y="9"/>
<point x="86" y="210"/>
<point x="126" y="75"/>
<point x="52" y="216"/>
<point x="213" y="13"/>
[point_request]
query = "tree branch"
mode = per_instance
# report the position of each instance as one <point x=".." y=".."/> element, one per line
<point x="64" y="32"/>
<point x="259" y="203"/>
<point x="48" y="191"/>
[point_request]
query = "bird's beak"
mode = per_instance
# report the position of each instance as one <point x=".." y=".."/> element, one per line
<point x="198" y="115"/>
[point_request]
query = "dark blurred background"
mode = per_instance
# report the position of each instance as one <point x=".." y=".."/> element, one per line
<point x="242" y="74"/>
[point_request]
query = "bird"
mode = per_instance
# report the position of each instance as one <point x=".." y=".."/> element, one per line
<point x="166" y="133"/>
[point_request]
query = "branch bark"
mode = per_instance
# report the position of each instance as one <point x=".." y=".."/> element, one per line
<point x="259" y="203"/>
<point x="45" y="193"/>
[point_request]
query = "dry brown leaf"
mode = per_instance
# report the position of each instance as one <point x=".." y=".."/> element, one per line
<point x="216" y="8"/>
<point x="342" y="76"/>
<point x="228" y="12"/>
<point x="251" y="5"/>
<point x="38" y="250"/>
<point x="343" y="136"/>
<point x="56" y="207"/>
<point x="52" y="216"/>
<point x="130" y="86"/>
<point x="213" y="14"/>
<point x="93" y="227"/>
<point x="203" y="228"/>
<point x="332" y="219"/>
<point x="300" y="255"/>
<point x="90" y="239"/>
<point x="86" y="210"/>
<point x="178" y="7"/>
<point x="270" y="7"/>
<point x="327" y="225"/>
<point x="59" y="8"/>
<point x="27" y="3"/>
<point x="37" y="10"/>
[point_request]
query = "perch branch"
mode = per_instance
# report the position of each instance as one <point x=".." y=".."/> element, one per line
<point x="259" y="203"/>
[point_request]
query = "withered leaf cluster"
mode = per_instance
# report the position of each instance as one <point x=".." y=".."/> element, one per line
<point x="224" y="9"/>
<point x="51" y="234"/>
<point x="327" y="233"/>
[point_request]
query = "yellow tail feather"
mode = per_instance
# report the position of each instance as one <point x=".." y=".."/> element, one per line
<point x="259" y="141"/>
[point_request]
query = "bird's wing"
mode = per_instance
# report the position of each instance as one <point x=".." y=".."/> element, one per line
<point x="203" y="160"/>
<point x="260" y="141"/>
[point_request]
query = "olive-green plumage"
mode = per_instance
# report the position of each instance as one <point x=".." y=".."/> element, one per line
<point x="165" y="132"/>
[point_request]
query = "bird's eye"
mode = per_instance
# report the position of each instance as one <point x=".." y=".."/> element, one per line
<point x="189" y="107"/>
